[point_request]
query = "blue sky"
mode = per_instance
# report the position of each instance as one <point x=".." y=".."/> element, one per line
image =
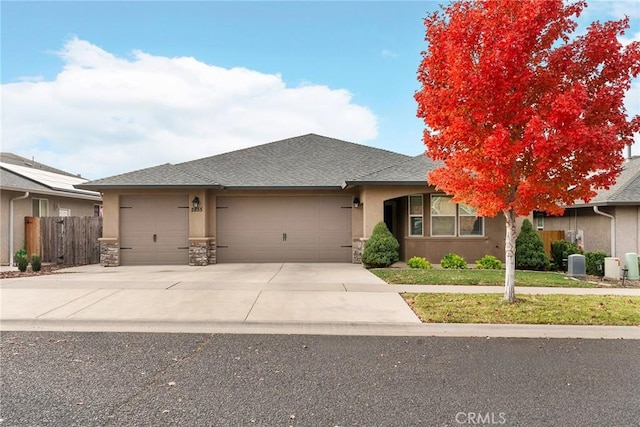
<point x="100" y="88"/>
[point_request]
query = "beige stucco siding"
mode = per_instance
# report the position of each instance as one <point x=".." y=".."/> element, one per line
<point x="597" y="228"/>
<point x="373" y="198"/>
<point x="627" y="229"/>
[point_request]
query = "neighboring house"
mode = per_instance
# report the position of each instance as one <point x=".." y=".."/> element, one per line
<point x="29" y="188"/>
<point x="303" y="199"/>
<point x="610" y="222"/>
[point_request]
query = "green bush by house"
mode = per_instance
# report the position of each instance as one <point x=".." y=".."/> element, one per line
<point x="36" y="263"/>
<point x="452" y="260"/>
<point x="560" y="251"/>
<point x="419" y="262"/>
<point x="489" y="262"/>
<point x="382" y="248"/>
<point x="530" y="254"/>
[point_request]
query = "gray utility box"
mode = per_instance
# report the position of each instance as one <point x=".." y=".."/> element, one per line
<point x="577" y="266"/>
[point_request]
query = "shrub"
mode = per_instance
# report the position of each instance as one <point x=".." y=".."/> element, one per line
<point x="419" y="262"/>
<point x="592" y="260"/>
<point x="22" y="264"/>
<point x="36" y="264"/>
<point x="489" y="262"/>
<point x="530" y="254"/>
<point x="381" y="250"/>
<point x="453" y="261"/>
<point x="560" y="250"/>
<point x="21" y="260"/>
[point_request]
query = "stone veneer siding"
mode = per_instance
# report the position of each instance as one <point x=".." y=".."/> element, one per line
<point x="357" y="248"/>
<point x="109" y="253"/>
<point x="212" y="251"/>
<point x="202" y="251"/>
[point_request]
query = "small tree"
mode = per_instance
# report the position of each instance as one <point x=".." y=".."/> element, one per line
<point x="530" y="254"/>
<point x="381" y="250"/>
<point x="522" y="116"/>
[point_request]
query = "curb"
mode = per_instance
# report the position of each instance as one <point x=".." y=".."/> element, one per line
<point x="345" y="328"/>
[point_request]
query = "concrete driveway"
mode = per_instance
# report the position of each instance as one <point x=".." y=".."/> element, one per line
<point x="233" y="293"/>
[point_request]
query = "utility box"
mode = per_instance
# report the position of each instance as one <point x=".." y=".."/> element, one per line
<point x="612" y="268"/>
<point x="631" y="263"/>
<point x="576" y="266"/>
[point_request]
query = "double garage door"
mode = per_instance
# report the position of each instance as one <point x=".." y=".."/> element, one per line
<point x="283" y="229"/>
<point x="154" y="229"/>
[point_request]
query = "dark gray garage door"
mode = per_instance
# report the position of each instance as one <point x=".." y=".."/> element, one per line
<point x="284" y="229"/>
<point x="154" y="230"/>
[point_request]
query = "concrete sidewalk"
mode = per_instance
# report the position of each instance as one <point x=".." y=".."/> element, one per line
<point x="340" y="299"/>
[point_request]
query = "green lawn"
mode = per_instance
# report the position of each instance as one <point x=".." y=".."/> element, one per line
<point x="528" y="309"/>
<point x="476" y="277"/>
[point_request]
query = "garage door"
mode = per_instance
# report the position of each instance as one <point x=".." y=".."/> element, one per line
<point x="283" y="229"/>
<point x="154" y="229"/>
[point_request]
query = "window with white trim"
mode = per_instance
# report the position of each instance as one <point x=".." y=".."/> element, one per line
<point x="443" y="215"/>
<point x="451" y="219"/>
<point x="416" y="215"/>
<point x="40" y="207"/>
<point x="469" y="222"/>
<point x="539" y="221"/>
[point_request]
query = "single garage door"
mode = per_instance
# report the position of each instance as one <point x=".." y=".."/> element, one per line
<point x="284" y="229"/>
<point x="154" y="230"/>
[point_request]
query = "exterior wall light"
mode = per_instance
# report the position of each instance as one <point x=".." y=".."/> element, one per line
<point x="356" y="202"/>
<point x="196" y="205"/>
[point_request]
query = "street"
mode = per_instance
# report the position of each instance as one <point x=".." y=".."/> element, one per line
<point x="126" y="379"/>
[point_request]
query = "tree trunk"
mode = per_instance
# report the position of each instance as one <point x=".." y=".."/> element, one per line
<point x="510" y="257"/>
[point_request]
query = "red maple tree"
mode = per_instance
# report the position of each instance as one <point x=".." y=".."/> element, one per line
<point x="523" y="116"/>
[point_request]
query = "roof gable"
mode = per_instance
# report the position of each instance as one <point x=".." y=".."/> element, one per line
<point x="412" y="171"/>
<point x="305" y="161"/>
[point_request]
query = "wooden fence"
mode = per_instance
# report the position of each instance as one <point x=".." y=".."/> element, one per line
<point x="550" y="236"/>
<point x="64" y="240"/>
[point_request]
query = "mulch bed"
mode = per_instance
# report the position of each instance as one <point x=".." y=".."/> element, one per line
<point x="46" y="269"/>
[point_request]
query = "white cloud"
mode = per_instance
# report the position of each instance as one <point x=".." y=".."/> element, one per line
<point x="103" y="115"/>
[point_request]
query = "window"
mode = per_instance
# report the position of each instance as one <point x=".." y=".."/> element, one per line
<point x="40" y="207"/>
<point x="443" y="216"/>
<point x="64" y="212"/>
<point x="539" y="221"/>
<point x="416" y="215"/>
<point x="470" y="223"/>
<point x="451" y="219"/>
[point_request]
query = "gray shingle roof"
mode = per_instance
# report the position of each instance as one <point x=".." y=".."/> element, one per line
<point x="304" y="161"/>
<point x="412" y="171"/>
<point x="15" y="182"/>
<point x="166" y="175"/>
<point x="626" y="190"/>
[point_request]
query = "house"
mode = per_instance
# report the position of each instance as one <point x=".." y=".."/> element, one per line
<point x="29" y="188"/>
<point x="304" y="199"/>
<point x="610" y="222"/>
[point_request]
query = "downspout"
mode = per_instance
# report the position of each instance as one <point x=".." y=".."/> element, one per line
<point x="613" y="229"/>
<point x="26" y="194"/>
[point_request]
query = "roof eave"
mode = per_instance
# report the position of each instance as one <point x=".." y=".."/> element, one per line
<point x="69" y="194"/>
<point x="282" y="187"/>
<point x="100" y="187"/>
<point x="348" y="184"/>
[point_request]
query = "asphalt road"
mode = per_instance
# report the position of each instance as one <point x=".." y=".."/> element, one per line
<point x="123" y="379"/>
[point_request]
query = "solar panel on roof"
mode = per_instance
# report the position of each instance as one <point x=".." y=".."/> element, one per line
<point x="52" y="180"/>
